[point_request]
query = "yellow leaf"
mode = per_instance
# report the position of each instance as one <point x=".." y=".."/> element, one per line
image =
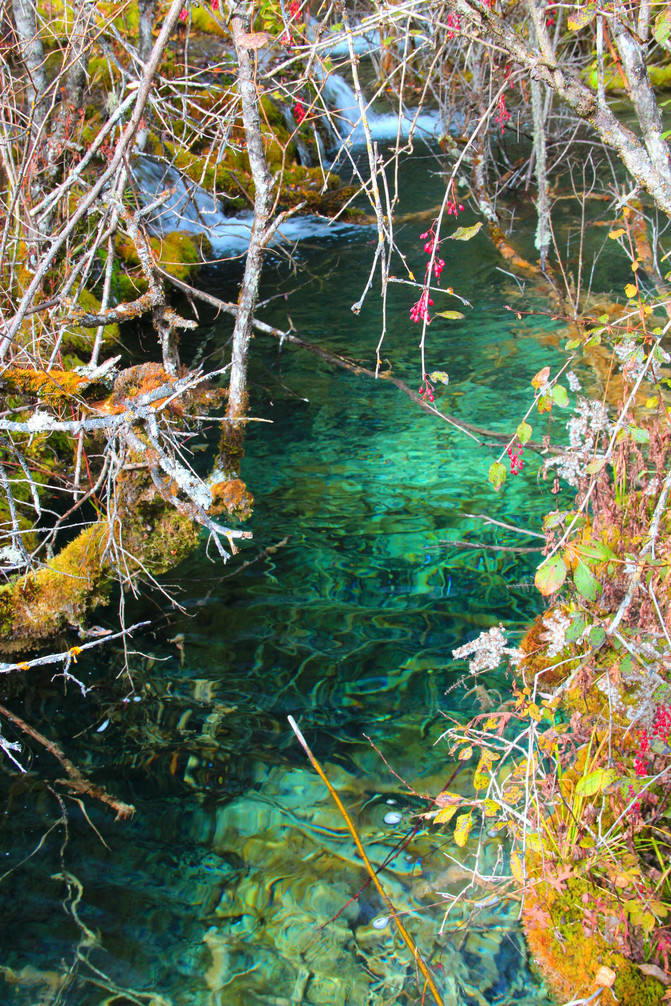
<point x="480" y="780"/>
<point x="630" y="290"/>
<point x="513" y="793"/>
<point x="445" y="814"/>
<point x="533" y="711"/>
<point x="411" y="275"/>
<point x="652" y="403"/>
<point x="541" y="378"/>
<point x="635" y="265"/>
<point x="463" y="829"/>
<point x="465" y="753"/>
<point x="23" y="667"/>
<point x="616" y="234"/>
<point x="490" y="807"/>
<point x="516" y="868"/>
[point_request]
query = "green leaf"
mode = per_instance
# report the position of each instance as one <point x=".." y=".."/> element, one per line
<point x="572" y="344"/>
<point x="497" y="474"/>
<point x="450" y="315"/>
<point x="597" y="635"/>
<point x="575" y="629"/>
<point x="560" y="395"/>
<point x="555" y="518"/>
<point x="524" y="433"/>
<point x="582" y="17"/>
<point x="638" y="435"/>
<point x="595" y="466"/>
<point x="440" y="376"/>
<point x="465" y="233"/>
<point x="597" y="550"/>
<point x="586" y="583"/>
<point x="550" y="575"/>
<point x="662" y="28"/>
<point x="595" y="782"/>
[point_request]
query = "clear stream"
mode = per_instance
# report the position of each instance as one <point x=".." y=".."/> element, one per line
<point x="232" y="884"/>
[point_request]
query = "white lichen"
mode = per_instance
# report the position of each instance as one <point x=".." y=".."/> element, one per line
<point x="488" y="650"/>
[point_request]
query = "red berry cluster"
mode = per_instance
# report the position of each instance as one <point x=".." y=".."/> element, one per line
<point x="640" y="764"/>
<point x="294" y="9"/>
<point x="503" y="115"/>
<point x="420" y="310"/>
<point x="426" y="389"/>
<point x="660" y="730"/>
<point x="299" y="112"/>
<point x="453" y="207"/>
<point x="453" y="24"/>
<point x="549" y="15"/>
<point x="430" y="245"/>
<point x="182" y="14"/>
<point x="516" y="463"/>
<point x="661" y="725"/>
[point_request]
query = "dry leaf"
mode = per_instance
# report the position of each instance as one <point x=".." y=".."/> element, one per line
<point x="257" y="40"/>
<point x="541" y="378"/>
<point x="605" y="977"/>
<point x="655" y="972"/>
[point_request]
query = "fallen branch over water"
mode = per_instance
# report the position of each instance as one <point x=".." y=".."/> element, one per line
<point x="410" y="943"/>
<point x="474" y="432"/>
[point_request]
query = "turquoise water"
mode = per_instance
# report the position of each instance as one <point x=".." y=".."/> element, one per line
<point x="232" y="885"/>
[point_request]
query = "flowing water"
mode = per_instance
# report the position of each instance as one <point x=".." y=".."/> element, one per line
<point x="234" y="882"/>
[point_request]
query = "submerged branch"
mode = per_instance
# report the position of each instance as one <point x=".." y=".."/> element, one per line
<point x="75" y="781"/>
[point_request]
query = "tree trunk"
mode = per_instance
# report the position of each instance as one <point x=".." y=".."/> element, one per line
<point x="233" y="432"/>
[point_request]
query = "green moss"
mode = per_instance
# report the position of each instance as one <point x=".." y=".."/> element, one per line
<point x="202" y="20"/>
<point x="41" y="604"/>
<point x="568" y="950"/>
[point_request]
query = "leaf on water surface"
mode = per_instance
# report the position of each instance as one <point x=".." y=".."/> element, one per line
<point x="441" y="376"/>
<point x="451" y="316"/>
<point x="550" y="575"/>
<point x="465" y="233"/>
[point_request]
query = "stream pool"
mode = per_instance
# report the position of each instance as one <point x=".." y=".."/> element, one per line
<point x="234" y="883"/>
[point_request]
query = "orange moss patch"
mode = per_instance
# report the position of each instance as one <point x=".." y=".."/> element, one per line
<point x="233" y="497"/>
<point x="55" y="386"/>
<point x="570" y="940"/>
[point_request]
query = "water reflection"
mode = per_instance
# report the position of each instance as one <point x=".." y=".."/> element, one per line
<point x="234" y="884"/>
